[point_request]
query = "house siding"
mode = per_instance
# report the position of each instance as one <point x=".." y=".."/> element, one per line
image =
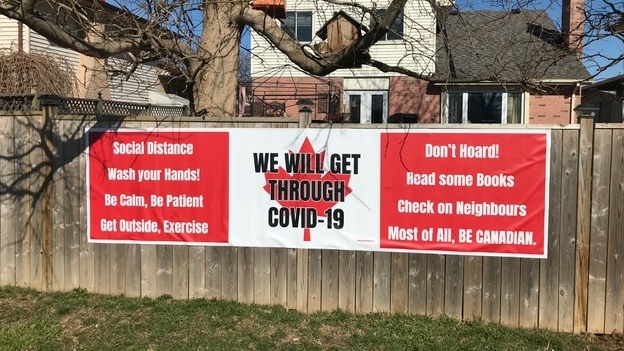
<point x="415" y="54"/>
<point x="8" y="33"/>
<point x="39" y="44"/>
<point x="137" y="87"/>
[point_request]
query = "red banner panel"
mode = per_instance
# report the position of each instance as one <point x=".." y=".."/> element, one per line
<point x="465" y="192"/>
<point x="163" y="186"/>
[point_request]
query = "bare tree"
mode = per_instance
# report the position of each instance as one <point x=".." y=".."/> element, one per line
<point x="200" y="40"/>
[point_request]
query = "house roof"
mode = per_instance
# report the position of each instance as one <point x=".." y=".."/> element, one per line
<point x="504" y="47"/>
<point x="613" y="83"/>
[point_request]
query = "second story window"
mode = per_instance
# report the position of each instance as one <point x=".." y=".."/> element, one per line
<point x="396" y="29"/>
<point x="298" y="25"/>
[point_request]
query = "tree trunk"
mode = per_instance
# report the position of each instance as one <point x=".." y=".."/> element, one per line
<point x="215" y="87"/>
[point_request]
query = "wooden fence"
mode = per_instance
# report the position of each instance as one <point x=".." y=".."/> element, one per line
<point x="579" y="287"/>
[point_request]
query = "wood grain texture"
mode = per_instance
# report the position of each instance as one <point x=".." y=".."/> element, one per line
<point x="346" y="276"/>
<point x="454" y="286"/>
<point x="614" y="319"/>
<point x="601" y="181"/>
<point x="549" y="268"/>
<point x="567" y="243"/>
<point x="583" y="223"/>
<point x="382" y="263"/>
<point x="8" y="203"/>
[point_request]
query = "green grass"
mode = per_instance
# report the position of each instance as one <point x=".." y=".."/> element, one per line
<point x="77" y="320"/>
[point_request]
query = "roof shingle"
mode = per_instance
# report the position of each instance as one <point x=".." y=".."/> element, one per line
<point x="505" y="47"/>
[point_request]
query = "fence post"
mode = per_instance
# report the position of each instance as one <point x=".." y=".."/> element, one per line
<point x="99" y="107"/>
<point x="583" y="221"/>
<point x="35" y="106"/>
<point x="50" y="105"/>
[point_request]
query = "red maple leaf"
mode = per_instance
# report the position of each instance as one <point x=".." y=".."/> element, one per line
<point x="303" y="174"/>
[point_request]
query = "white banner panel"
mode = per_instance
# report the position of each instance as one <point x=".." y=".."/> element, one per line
<point x="304" y="188"/>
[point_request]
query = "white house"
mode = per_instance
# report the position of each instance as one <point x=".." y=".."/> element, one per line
<point x="92" y="75"/>
<point x="500" y="66"/>
<point x="410" y="43"/>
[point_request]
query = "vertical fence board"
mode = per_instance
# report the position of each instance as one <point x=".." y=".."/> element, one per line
<point x="102" y="268"/>
<point x="399" y="280"/>
<point x="302" y="280"/>
<point x="245" y="274"/>
<point x="213" y="272"/>
<point x="364" y="282"/>
<point x="148" y="271"/>
<point x="567" y="242"/>
<point x="529" y="292"/>
<point x="454" y="286"/>
<point x="614" y="320"/>
<point x="435" y="284"/>
<point x="346" y="276"/>
<point x="8" y="203"/>
<point x="229" y="279"/>
<point x="549" y="268"/>
<point x="87" y="250"/>
<point x="382" y="263"/>
<point x="180" y="276"/>
<point x="164" y="270"/>
<point x="473" y="280"/>
<point x="291" y="279"/>
<point x="118" y="268"/>
<point x="197" y="271"/>
<point x="315" y="272"/>
<point x="491" y="299"/>
<point x="510" y="291"/>
<point x="133" y="270"/>
<point x="58" y="208"/>
<point x="74" y="141"/>
<point x="279" y="271"/>
<point x="262" y="275"/>
<point x="599" y="229"/>
<point x="330" y="280"/>
<point x="37" y="158"/>
<point x="417" y="285"/>
<point x="583" y="223"/>
<point x="22" y="203"/>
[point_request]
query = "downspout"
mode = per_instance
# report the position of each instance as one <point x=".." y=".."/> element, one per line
<point x="20" y="37"/>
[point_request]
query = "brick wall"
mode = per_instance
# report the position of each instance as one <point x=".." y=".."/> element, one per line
<point x="413" y="95"/>
<point x="553" y="108"/>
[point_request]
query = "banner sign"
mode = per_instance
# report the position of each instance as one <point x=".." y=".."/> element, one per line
<point x="476" y="192"/>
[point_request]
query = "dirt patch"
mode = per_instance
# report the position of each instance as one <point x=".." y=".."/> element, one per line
<point x="611" y="342"/>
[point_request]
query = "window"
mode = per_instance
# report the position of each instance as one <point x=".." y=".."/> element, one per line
<point x="484" y="107"/>
<point x="396" y="29"/>
<point x="298" y="25"/>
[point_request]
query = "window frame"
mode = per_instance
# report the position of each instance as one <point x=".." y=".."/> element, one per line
<point x="294" y="32"/>
<point x="465" y="98"/>
<point x="393" y="31"/>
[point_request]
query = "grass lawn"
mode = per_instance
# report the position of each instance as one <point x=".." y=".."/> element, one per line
<point x="77" y="320"/>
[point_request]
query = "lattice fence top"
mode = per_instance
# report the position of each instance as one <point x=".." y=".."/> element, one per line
<point x="17" y="103"/>
<point x="78" y="106"/>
